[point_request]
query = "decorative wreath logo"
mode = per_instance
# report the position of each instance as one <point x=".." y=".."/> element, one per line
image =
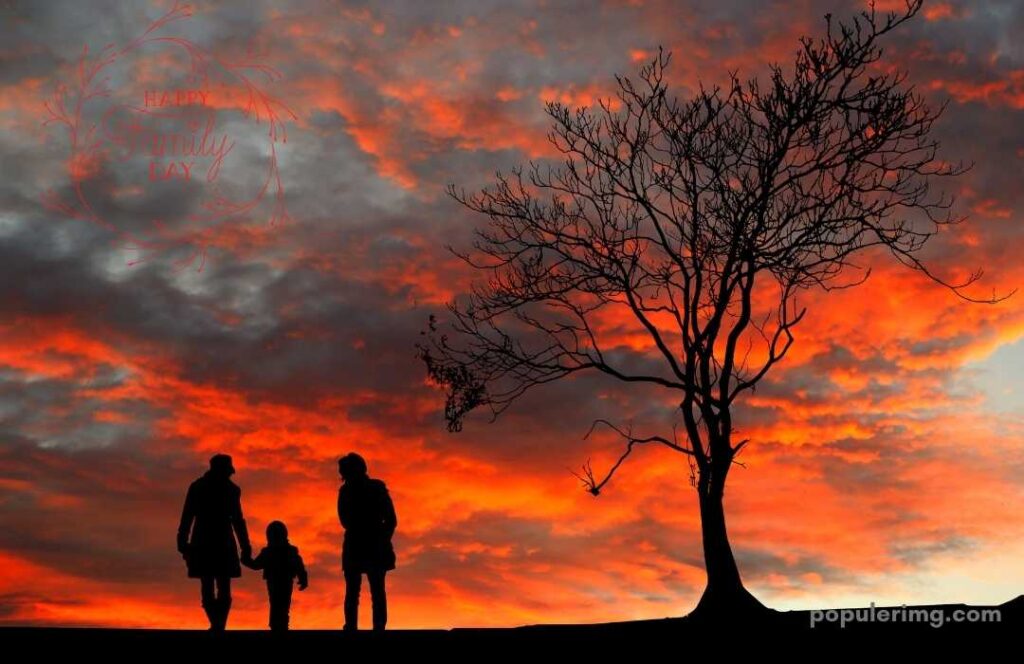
<point x="102" y="132"/>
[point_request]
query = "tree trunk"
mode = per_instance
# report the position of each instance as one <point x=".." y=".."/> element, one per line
<point x="724" y="594"/>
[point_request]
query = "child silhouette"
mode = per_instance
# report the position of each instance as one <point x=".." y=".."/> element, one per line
<point x="281" y="564"/>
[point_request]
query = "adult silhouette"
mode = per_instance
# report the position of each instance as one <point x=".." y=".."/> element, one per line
<point x="368" y="517"/>
<point x="210" y="521"/>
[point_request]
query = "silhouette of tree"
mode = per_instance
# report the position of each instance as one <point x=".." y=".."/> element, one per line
<point x="699" y="221"/>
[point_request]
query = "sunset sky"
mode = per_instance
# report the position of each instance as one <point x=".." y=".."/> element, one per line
<point x="887" y="454"/>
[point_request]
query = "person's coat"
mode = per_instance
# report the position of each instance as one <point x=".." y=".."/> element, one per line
<point x="368" y="516"/>
<point x="210" y="521"/>
<point x="281" y="564"/>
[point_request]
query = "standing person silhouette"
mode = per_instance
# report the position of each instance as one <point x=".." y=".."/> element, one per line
<point x="281" y="565"/>
<point x="210" y="521"/>
<point x="368" y="517"/>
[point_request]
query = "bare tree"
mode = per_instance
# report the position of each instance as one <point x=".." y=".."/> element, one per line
<point x="700" y="221"/>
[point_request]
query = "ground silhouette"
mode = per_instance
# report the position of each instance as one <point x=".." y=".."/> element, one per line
<point x="787" y="631"/>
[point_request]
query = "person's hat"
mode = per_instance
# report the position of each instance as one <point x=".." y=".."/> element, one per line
<point x="221" y="462"/>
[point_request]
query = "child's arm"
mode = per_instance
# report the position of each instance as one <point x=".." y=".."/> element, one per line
<point x="259" y="562"/>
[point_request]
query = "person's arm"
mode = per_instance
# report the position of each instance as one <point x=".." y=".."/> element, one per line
<point x="259" y="562"/>
<point x="241" y="531"/>
<point x="390" y="518"/>
<point x="343" y="509"/>
<point x="301" y="571"/>
<point x="188" y="515"/>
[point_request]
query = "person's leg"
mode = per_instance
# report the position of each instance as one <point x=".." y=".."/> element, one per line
<point x="353" y="581"/>
<point x="209" y="600"/>
<point x="286" y="605"/>
<point x="280" y="603"/>
<point x="379" y="598"/>
<point x="223" y="600"/>
<point x="275" y="606"/>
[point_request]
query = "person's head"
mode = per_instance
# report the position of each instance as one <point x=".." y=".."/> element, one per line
<point x="352" y="466"/>
<point x="277" y="533"/>
<point x="220" y="464"/>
